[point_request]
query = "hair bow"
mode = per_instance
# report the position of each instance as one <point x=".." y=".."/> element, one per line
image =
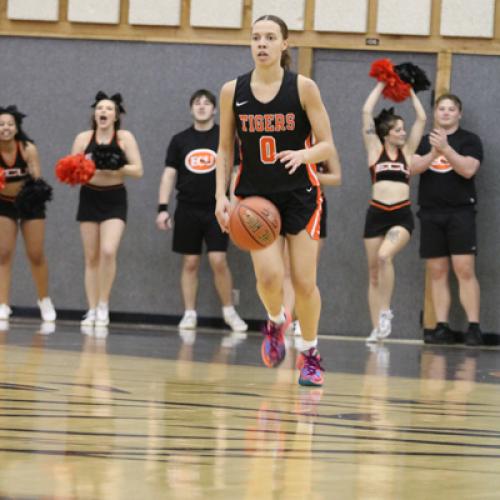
<point x="12" y="110"/>
<point x="116" y="98"/>
<point x="384" y="115"/>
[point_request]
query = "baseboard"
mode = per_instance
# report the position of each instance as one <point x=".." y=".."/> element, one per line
<point x="133" y="318"/>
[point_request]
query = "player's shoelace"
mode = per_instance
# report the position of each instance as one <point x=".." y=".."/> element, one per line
<point x="272" y="332"/>
<point x="311" y="362"/>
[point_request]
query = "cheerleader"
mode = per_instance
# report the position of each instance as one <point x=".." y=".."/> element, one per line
<point x="22" y="205"/>
<point x="102" y="209"/>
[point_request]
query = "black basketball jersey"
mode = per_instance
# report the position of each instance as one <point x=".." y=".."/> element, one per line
<point x="16" y="171"/>
<point x="266" y="129"/>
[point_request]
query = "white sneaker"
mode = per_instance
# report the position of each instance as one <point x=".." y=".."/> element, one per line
<point x="188" y="336"/>
<point x="374" y="336"/>
<point x="234" y="322"/>
<point x="101" y="332"/>
<point x="233" y="339"/>
<point x="87" y="329"/>
<point x="4" y="325"/>
<point x="297" y="331"/>
<point x="384" y="324"/>
<point x="188" y="321"/>
<point x="89" y="318"/>
<point x="102" y="315"/>
<point x="47" y="327"/>
<point x="5" y="312"/>
<point x="47" y="311"/>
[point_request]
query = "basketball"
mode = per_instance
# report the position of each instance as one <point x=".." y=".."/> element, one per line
<point x="254" y="223"/>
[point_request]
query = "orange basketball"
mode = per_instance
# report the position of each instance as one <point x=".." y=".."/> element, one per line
<point x="254" y="223"/>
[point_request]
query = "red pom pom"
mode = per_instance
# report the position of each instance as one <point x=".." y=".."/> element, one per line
<point x="383" y="70"/>
<point x="2" y="178"/>
<point x="395" y="89"/>
<point x="397" y="92"/>
<point x="75" y="169"/>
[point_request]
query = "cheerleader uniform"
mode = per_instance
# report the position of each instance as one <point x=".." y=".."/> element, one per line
<point x="100" y="203"/>
<point x="15" y="172"/>
<point x="381" y="217"/>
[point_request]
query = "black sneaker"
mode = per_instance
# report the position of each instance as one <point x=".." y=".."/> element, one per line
<point x="473" y="337"/>
<point x="443" y="335"/>
<point x="428" y="336"/>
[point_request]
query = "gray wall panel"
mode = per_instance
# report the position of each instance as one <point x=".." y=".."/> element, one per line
<point x="475" y="81"/>
<point x="54" y="82"/>
<point x="343" y="79"/>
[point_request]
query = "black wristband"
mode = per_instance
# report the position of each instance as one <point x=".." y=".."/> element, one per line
<point x="162" y="207"/>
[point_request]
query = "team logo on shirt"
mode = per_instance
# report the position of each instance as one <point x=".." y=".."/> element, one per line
<point x="200" y="161"/>
<point x="441" y="165"/>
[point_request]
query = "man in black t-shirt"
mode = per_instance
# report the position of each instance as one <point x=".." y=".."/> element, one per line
<point x="191" y="159"/>
<point x="448" y="159"/>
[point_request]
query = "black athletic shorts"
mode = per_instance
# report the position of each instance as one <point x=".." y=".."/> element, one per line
<point x="9" y="209"/>
<point x="380" y="218"/>
<point x="100" y="203"/>
<point x="445" y="233"/>
<point x="195" y="223"/>
<point x="299" y="209"/>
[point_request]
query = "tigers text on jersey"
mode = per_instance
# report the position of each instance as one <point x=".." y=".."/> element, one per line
<point x="265" y="129"/>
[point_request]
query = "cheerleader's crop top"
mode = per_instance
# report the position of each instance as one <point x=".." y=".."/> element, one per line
<point x="17" y="170"/>
<point x="385" y="169"/>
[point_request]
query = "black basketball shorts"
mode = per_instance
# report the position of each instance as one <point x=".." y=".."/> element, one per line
<point x="195" y="223"/>
<point x="299" y="209"/>
<point x="445" y="233"/>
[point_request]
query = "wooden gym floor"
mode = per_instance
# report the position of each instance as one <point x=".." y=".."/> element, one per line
<point x="148" y="413"/>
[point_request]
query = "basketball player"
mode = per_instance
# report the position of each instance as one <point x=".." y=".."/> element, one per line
<point x="275" y="112"/>
<point x="448" y="159"/>
<point x="19" y="162"/>
<point x="329" y="174"/>
<point x="191" y="158"/>
<point x="102" y="210"/>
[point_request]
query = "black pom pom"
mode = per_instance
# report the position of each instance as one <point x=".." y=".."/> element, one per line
<point x="108" y="157"/>
<point x="412" y="74"/>
<point x="33" y="196"/>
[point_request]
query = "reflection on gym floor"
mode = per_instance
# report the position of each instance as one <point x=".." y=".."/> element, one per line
<point x="150" y="413"/>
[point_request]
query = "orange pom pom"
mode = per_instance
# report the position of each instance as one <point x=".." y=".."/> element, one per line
<point x="75" y="169"/>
